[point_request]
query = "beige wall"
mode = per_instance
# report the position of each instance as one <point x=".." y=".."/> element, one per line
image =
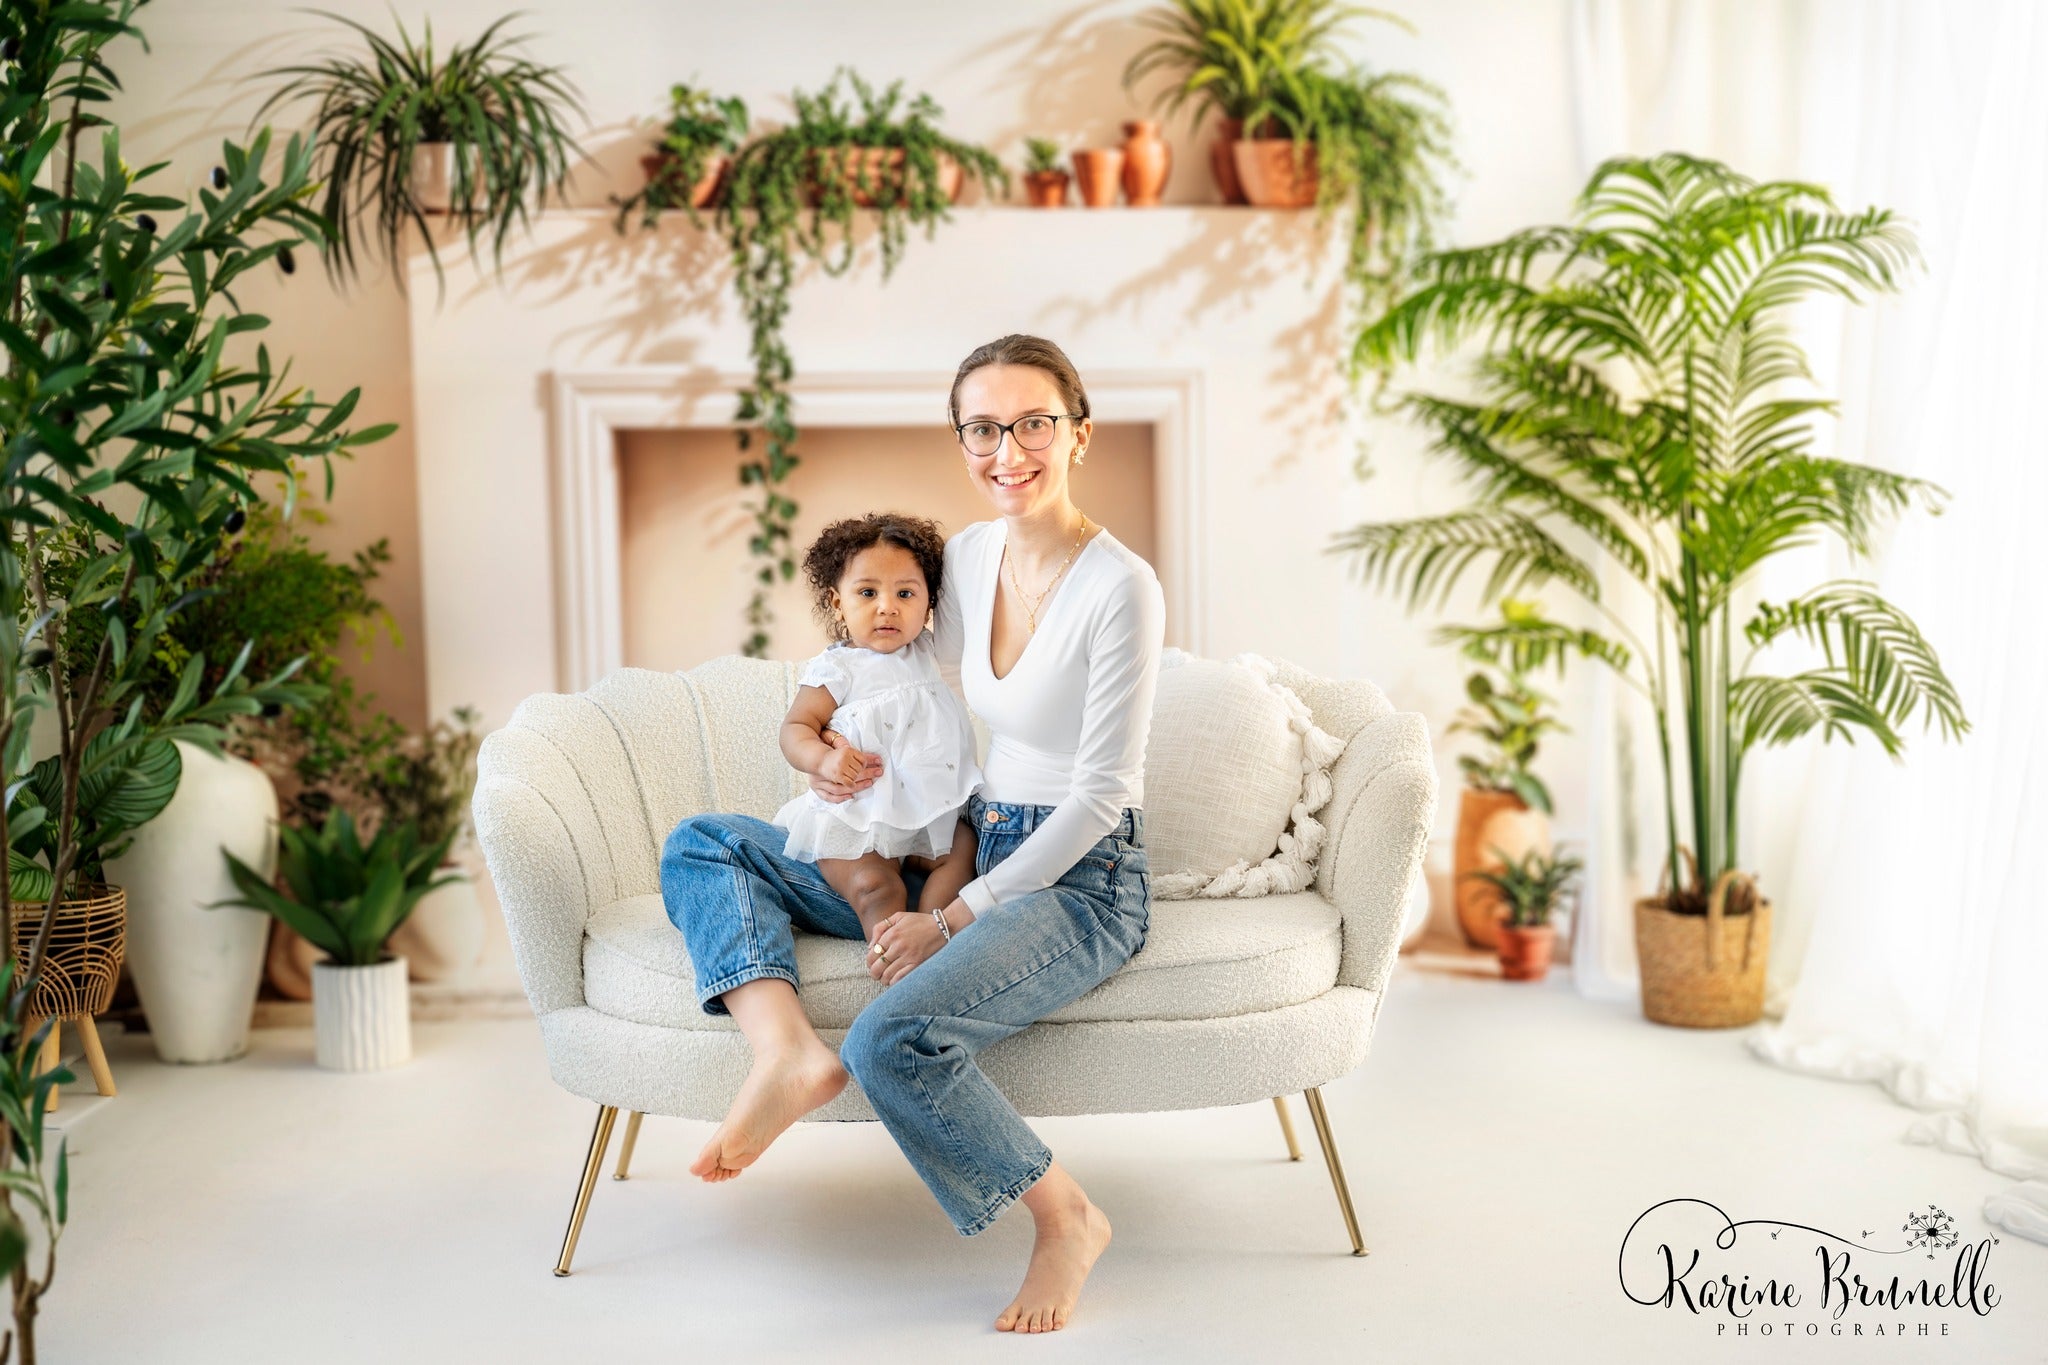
<point x="687" y="576"/>
<point x="1002" y="71"/>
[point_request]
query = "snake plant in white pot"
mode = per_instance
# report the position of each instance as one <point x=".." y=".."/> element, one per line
<point x="347" y="898"/>
<point x="1640" y="404"/>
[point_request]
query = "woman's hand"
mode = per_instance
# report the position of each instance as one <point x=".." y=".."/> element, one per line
<point x="837" y="791"/>
<point x="906" y="939"/>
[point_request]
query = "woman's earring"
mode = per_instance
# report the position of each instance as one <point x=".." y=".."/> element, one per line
<point x="1081" y="454"/>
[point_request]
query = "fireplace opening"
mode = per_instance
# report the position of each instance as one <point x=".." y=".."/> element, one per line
<point x="685" y="572"/>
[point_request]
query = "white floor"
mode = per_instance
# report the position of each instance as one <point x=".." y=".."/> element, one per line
<point x="1499" y="1142"/>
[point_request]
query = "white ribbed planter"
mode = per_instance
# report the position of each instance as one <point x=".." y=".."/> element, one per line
<point x="362" y="1016"/>
<point x="196" y="968"/>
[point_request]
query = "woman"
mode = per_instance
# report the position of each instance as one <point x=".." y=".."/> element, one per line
<point x="1052" y="629"/>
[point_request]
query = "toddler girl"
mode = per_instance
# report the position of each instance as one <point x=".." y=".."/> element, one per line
<point x="876" y="583"/>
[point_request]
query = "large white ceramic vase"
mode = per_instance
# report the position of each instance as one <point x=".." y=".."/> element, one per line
<point x="197" y="969"/>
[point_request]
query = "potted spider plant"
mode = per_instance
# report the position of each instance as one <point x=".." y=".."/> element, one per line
<point x="690" y="157"/>
<point x="347" y="898"/>
<point x="1045" y="182"/>
<point x="1504" y="806"/>
<point x="1641" y="395"/>
<point x="1529" y="889"/>
<point x="479" y="136"/>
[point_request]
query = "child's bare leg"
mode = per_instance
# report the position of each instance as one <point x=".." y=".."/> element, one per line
<point x="950" y="873"/>
<point x="872" y="885"/>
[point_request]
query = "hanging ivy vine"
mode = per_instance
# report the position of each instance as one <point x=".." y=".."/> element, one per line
<point x="794" y="193"/>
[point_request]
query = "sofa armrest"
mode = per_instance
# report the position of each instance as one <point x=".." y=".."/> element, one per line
<point x="1381" y="809"/>
<point x="548" y="859"/>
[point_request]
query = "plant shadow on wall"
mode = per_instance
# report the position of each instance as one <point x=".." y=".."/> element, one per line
<point x="1065" y="69"/>
<point x="1638" y="389"/>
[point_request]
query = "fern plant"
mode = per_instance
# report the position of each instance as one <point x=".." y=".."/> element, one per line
<point x="1636" y="405"/>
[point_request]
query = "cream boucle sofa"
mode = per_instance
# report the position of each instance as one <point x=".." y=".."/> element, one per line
<point x="1230" y="1001"/>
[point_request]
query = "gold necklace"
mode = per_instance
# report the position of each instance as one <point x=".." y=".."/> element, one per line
<point x="1031" y="604"/>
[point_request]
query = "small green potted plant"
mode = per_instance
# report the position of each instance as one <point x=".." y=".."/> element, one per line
<point x="1045" y="182"/>
<point x="347" y="898"/>
<point x="1531" y="889"/>
<point x="690" y="158"/>
<point x="479" y="135"/>
<point x="1504" y="804"/>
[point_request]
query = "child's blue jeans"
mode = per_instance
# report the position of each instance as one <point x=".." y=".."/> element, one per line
<point x="737" y="900"/>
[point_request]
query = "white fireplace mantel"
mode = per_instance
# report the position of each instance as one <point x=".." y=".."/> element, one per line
<point x="591" y="408"/>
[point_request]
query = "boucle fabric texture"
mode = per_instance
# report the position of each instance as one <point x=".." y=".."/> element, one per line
<point x="1228" y="1002"/>
<point x="1241" y="768"/>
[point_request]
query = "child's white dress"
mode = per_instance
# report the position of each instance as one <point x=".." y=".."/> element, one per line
<point x="895" y="705"/>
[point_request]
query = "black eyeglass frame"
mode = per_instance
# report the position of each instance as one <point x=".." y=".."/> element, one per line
<point x="1009" y="429"/>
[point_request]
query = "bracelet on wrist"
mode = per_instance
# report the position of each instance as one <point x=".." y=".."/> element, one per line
<point x="945" y="932"/>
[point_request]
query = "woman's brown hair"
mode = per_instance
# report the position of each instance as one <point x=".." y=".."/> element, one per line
<point x="1018" y="349"/>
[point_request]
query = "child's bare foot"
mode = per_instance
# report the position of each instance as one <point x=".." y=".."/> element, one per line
<point x="782" y="1087"/>
<point x="1070" y="1238"/>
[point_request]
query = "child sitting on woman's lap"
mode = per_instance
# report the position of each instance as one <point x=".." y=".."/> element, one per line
<point x="876" y="584"/>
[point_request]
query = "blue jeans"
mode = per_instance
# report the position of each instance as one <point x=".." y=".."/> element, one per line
<point x="737" y="901"/>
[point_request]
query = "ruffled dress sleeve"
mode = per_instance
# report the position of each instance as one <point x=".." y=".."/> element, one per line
<point x="827" y="672"/>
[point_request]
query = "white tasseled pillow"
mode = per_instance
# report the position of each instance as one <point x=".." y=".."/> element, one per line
<point x="1235" y="769"/>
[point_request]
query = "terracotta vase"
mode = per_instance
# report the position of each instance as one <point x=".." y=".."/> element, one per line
<point x="882" y="170"/>
<point x="1525" y="952"/>
<point x="1223" y="164"/>
<point x="1148" y="160"/>
<point x="1488" y="820"/>
<point x="1046" y="189"/>
<point x="1705" y="971"/>
<point x="1098" y="171"/>
<point x="706" y="188"/>
<point x="1276" y="173"/>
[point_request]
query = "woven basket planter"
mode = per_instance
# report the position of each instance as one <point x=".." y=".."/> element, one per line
<point x="83" y="960"/>
<point x="1704" y="971"/>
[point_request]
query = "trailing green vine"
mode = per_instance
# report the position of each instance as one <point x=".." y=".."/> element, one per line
<point x="794" y="192"/>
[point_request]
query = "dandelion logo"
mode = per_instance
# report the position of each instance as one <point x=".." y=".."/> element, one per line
<point x="1933" y="1230"/>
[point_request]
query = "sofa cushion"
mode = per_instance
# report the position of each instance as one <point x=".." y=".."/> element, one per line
<point x="1201" y="960"/>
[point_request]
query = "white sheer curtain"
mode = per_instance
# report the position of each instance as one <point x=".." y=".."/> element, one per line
<point x="1913" y="944"/>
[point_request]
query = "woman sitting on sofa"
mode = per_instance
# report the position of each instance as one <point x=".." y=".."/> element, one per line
<point x="1052" y="629"/>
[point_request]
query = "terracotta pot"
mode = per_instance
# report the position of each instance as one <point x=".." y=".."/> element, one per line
<point x="1222" y="164"/>
<point x="706" y="188"/>
<point x="1148" y="160"/>
<point x="1099" y="171"/>
<point x="1488" y="820"/>
<point x="1273" y="175"/>
<point x="1525" y="953"/>
<point x="1705" y="971"/>
<point x="1046" y="189"/>
<point x="882" y="169"/>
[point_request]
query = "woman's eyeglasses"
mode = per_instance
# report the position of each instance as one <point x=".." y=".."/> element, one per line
<point x="1033" y="431"/>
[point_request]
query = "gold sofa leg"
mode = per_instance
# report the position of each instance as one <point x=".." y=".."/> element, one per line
<point x="1329" y="1141"/>
<point x="1287" y="1127"/>
<point x="626" y="1150"/>
<point x="600" y="1138"/>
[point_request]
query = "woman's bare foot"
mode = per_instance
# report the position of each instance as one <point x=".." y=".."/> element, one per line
<point x="1072" y="1233"/>
<point x="784" y="1085"/>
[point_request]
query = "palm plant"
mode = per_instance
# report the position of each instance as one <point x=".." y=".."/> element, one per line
<point x="374" y="111"/>
<point x="341" y="895"/>
<point x="1533" y="887"/>
<point x="1634" y="407"/>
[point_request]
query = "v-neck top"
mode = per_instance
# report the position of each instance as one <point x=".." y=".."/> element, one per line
<point x="1068" y="723"/>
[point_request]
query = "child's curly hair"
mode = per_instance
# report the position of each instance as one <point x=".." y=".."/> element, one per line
<point x="825" y="562"/>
